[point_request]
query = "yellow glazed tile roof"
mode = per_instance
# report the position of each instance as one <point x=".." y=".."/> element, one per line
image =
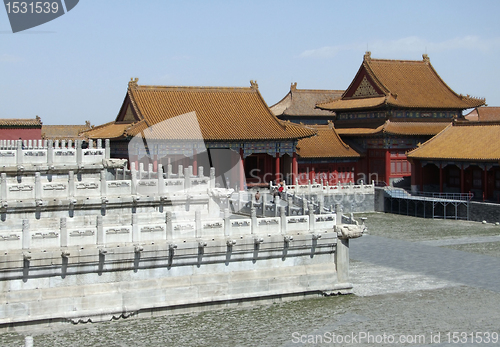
<point x="109" y="130"/>
<point x="462" y="141"/>
<point x="326" y="144"/>
<point x="403" y="83"/>
<point x="302" y="102"/>
<point x="21" y="122"/>
<point x="222" y="114"/>
<point x="397" y="128"/>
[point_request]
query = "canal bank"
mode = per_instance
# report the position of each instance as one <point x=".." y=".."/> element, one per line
<point x="388" y="299"/>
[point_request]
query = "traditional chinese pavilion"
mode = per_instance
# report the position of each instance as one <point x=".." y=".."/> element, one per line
<point x="324" y="157"/>
<point x="390" y="107"/>
<point x="232" y="124"/>
<point x="463" y="158"/>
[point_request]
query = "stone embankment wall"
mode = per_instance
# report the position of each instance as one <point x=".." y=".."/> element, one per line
<point x="483" y="211"/>
<point x="91" y="241"/>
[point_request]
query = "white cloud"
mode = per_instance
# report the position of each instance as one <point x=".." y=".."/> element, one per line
<point x="408" y="44"/>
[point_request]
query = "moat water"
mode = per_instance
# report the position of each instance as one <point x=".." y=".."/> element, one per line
<point x="394" y="304"/>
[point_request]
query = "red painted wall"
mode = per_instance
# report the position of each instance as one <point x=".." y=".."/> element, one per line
<point x="24" y="134"/>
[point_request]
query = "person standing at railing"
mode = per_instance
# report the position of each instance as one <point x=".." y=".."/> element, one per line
<point x="257" y="196"/>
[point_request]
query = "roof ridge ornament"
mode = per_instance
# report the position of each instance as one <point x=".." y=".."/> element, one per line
<point x="293" y="87"/>
<point x="132" y="84"/>
<point x="425" y="58"/>
<point x="253" y="84"/>
<point x="367" y="56"/>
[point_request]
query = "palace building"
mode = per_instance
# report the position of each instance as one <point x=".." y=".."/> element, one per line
<point x="222" y="127"/>
<point x="463" y="158"/>
<point x="324" y="157"/>
<point x="389" y="108"/>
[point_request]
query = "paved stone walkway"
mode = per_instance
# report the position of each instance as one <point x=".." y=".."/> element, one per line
<point x="470" y="269"/>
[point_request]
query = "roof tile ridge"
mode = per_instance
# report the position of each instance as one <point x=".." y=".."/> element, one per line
<point x="200" y="88"/>
<point x="398" y="60"/>
<point x="319" y="90"/>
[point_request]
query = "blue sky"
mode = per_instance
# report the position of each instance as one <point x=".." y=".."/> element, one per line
<point x="77" y="67"/>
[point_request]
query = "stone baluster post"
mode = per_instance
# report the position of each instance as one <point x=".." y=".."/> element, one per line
<point x="197" y="222"/>
<point x="38" y="186"/>
<point x="187" y="179"/>
<point x="200" y="172"/>
<point x="26" y="243"/>
<point x="101" y="237"/>
<point x="63" y="232"/>
<point x="161" y="181"/>
<point x="133" y="173"/>
<point x="136" y="233"/>
<point x="71" y="184"/>
<point x="19" y="153"/>
<point x="107" y="149"/>
<point x="212" y="177"/>
<point x="227" y="222"/>
<point x="311" y="217"/>
<point x="289" y="205"/>
<point x="50" y="153"/>
<point x="3" y="182"/>
<point x="253" y="216"/>
<point x="150" y="170"/>
<point x="283" y="220"/>
<point x="169" y="169"/>
<point x="141" y="170"/>
<point x="168" y="225"/>
<point x="79" y="152"/>
<point x="104" y="184"/>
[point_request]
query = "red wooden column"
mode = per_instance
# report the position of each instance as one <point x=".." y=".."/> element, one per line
<point x="485" y="183"/>
<point x="387" y="167"/>
<point x="462" y="179"/>
<point x="242" y="171"/>
<point x="195" y="162"/>
<point x="421" y="176"/>
<point x="295" y="168"/>
<point x="277" y="168"/>
<point x="440" y="178"/>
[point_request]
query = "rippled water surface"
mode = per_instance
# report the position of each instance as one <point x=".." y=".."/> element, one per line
<point x="387" y="301"/>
